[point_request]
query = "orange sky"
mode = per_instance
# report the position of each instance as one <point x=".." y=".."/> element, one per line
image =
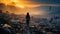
<point x="25" y="6"/>
<point x="19" y="3"/>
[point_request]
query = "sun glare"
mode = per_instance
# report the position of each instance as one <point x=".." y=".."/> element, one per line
<point x="15" y="0"/>
<point x="21" y="6"/>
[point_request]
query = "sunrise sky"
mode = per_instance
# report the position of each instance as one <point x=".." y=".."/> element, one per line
<point x="34" y="7"/>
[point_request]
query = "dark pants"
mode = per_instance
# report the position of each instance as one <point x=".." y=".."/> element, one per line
<point x="27" y="21"/>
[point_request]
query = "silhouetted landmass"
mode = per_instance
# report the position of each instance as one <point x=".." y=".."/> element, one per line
<point x="17" y="24"/>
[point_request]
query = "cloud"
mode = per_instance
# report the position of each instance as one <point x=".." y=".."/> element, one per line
<point x="46" y="1"/>
<point x="33" y="6"/>
<point x="31" y="3"/>
<point x="2" y="6"/>
<point x="11" y="9"/>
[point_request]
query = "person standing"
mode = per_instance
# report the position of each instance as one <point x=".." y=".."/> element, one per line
<point x="27" y="19"/>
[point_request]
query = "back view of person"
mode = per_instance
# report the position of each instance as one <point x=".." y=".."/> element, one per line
<point x="27" y="19"/>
